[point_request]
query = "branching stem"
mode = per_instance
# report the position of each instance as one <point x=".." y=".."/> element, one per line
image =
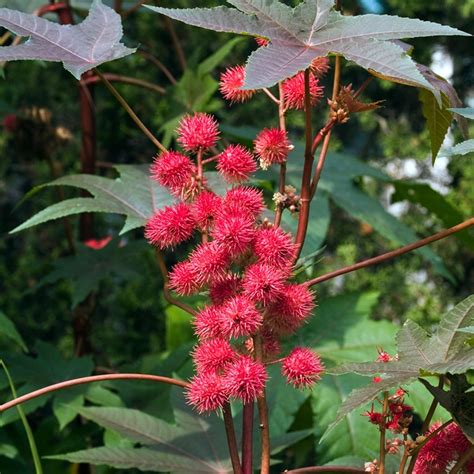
<point x="166" y="290"/>
<point x="247" y="438"/>
<point x="394" y="253"/>
<point x="130" y="111"/>
<point x="282" y="181"/>
<point x="83" y="380"/>
<point x="263" y="413"/>
<point x="231" y="438"/>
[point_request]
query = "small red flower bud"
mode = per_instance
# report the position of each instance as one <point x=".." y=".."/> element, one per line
<point x="184" y="279"/>
<point x="207" y="323"/>
<point x="205" y="208"/>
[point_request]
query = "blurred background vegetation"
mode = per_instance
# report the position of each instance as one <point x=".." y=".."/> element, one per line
<point x="129" y="323"/>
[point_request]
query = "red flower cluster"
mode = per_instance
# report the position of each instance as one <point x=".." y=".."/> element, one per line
<point x="244" y="264"/>
<point x="398" y="417"/>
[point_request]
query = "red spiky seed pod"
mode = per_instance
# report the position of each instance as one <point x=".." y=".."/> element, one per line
<point x="207" y="323"/>
<point x="292" y="308"/>
<point x="170" y="226"/>
<point x="239" y="317"/>
<point x="274" y="247"/>
<point x="173" y="170"/>
<point x="272" y="147"/>
<point x="222" y="290"/>
<point x="213" y="355"/>
<point x="205" y="208"/>
<point x="294" y="91"/>
<point x="233" y="232"/>
<point x="263" y="283"/>
<point x="302" y="368"/>
<point x="236" y="164"/>
<point x="206" y="392"/>
<point x="244" y="199"/>
<point x="198" y="132"/>
<point x="184" y="279"/>
<point x="245" y="379"/>
<point x="209" y="262"/>
<point x="231" y="83"/>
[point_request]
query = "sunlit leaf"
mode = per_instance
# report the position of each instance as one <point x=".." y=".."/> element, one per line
<point x="299" y="35"/>
<point x="79" y="47"/>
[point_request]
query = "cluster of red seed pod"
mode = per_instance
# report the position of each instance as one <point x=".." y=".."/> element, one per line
<point x="243" y="263"/>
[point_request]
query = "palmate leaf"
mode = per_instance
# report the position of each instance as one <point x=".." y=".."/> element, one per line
<point x="193" y="444"/>
<point x="310" y="30"/>
<point x="446" y="352"/>
<point x="134" y="195"/>
<point x="462" y="148"/>
<point x="79" y="47"/>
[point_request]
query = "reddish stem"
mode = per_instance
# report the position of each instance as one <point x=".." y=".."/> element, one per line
<point x="124" y="80"/>
<point x="247" y="438"/>
<point x="394" y="253"/>
<point x="307" y="171"/>
<point x="231" y="438"/>
<point x="83" y="380"/>
<point x="282" y="181"/>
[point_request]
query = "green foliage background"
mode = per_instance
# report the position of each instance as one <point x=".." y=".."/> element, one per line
<point x="132" y="327"/>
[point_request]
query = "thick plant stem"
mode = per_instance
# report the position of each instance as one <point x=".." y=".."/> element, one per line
<point x="83" y="380"/>
<point x="263" y="413"/>
<point x="26" y="426"/>
<point x="126" y="80"/>
<point x="307" y="171"/>
<point x="176" y="44"/>
<point x="394" y="253"/>
<point x="382" y="434"/>
<point x="247" y="438"/>
<point x="463" y="460"/>
<point x="130" y="111"/>
<point x="282" y="181"/>
<point x="166" y="290"/>
<point x="231" y="438"/>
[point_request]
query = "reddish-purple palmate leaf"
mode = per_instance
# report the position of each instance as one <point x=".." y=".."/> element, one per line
<point x="312" y="29"/>
<point x="79" y="47"/>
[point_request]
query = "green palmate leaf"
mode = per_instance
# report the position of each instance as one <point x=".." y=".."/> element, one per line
<point x="353" y="437"/>
<point x="438" y="118"/>
<point x="310" y="30"/>
<point x="134" y="195"/>
<point x="48" y="367"/>
<point x="462" y="148"/>
<point x="143" y="459"/>
<point x="89" y="267"/>
<point x="446" y="352"/>
<point x="423" y="194"/>
<point x="468" y="330"/>
<point x="9" y="331"/>
<point x="79" y="47"/>
<point x="339" y="186"/>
